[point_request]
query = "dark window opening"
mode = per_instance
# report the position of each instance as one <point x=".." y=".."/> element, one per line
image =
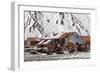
<point x="32" y="43"/>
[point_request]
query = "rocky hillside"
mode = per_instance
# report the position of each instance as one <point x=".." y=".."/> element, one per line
<point x="42" y="24"/>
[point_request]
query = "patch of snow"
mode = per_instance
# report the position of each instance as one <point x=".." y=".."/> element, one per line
<point x="47" y="42"/>
<point x="40" y="42"/>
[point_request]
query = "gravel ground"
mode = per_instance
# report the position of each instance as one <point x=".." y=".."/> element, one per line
<point x="54" y="56"/>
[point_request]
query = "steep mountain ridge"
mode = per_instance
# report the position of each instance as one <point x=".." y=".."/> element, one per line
<point x="42" y="24"/>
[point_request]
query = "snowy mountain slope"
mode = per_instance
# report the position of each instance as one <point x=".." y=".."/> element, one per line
<point x="41" y="24"/>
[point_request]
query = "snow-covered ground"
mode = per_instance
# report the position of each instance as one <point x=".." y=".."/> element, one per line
<point x="66" y="56"/>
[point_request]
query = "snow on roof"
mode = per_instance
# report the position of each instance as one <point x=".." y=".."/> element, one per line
<point x="41" y="42"/>
<point x="47" y="42"/>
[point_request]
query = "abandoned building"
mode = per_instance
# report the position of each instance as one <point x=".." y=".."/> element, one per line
<point x="68" y="41"/>
<point x="31" y="42"/>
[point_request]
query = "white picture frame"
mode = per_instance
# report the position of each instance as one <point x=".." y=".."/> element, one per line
<point x="17" y="34"/>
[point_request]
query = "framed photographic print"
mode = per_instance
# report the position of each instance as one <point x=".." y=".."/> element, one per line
<point x="49" y="36"/>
